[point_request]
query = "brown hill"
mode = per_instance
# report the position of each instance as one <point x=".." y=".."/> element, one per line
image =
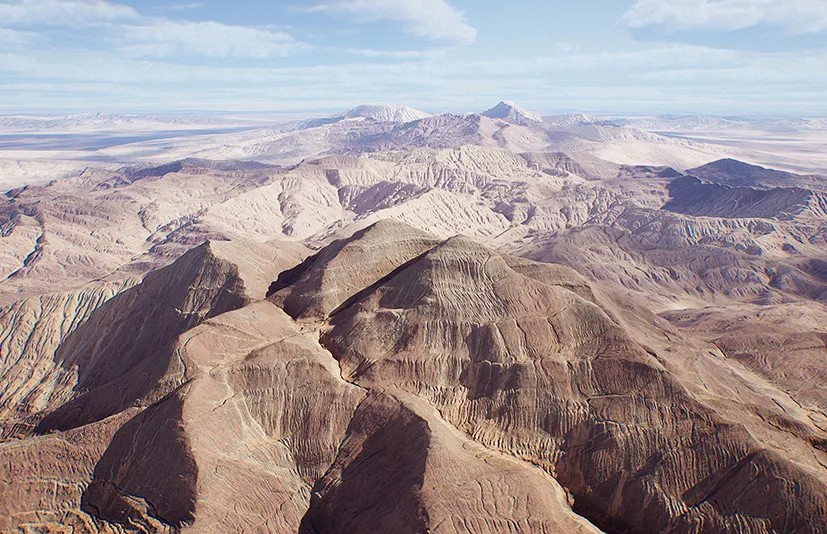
<point x="736" y="173"/>
<point x="658" y="371"/>
<point x="690" y="196"/>
<point x="536" y="370"/>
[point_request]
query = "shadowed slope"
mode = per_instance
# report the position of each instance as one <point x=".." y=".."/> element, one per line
<point x="536" y="370"/>
<point x="430" y="386"/>
<point x="324" y="281"/>
<point x="403" y="468"/>
<point x="692" y="197"/>
<point x="736" y="173"/>
<point x="123" y="353"/>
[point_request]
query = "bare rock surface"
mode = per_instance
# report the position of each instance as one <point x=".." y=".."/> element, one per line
<point x="399" y="445"/>
<point x="228" y="346"/>
<point x="118" y="381"/>
<point x="43" y="479"/>
<point x="692" y="197"/>
<point x="324" y="281"/>
<point x="247" y="447"/>
<point x="538" y="371"/>
<point x="249" y="420"/>
<point x="736" y="173"/>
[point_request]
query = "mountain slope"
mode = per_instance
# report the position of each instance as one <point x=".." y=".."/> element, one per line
<point x="513" y="112"/>
<point x="427" y="385"/>
<point x="372" y="113"/>
<point x="227" y="346"/>
<point x="735" y="173"/>
<point x="690" y="196"/>
<point x="536" y="370"/>
<point x="385" y="113"/>
<point x="77" y="357"/>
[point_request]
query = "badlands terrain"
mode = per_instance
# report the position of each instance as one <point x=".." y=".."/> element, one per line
<point x="387" y="321"/>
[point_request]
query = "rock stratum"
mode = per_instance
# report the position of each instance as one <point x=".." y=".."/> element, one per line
<point x="408" y="384"/>
<point x="434" y="339"/>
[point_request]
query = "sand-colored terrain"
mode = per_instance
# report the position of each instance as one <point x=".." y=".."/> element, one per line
<point x="459" y="323"/>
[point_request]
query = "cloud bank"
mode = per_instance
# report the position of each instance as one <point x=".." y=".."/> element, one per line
<point x="430" y="19"/>
<point x="794" y="16"/>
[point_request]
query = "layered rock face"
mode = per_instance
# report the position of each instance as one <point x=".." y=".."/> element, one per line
<point x="692" y="197"/>
<point x="424" y="385"/>
<point x="403" y="468"/>
<point x="252" y="427"/>
<point x="659" y="369"/>
<point x="529" y="367"/>
<point x="110" y="363"/>
<point x="324" y="281"/>
<point x="91" y="345"/>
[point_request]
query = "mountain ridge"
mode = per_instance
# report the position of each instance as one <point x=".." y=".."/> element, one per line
<point x="512" y="111"/>
<point x="453" y="323"/>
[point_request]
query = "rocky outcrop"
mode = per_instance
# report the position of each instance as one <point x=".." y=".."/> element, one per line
<point x="259" y="420"/>
<point x="42" y="479"/>
<point x="59" y="348"/>
<point x="31" y="331"/>
<point x="121" y="382"/>
<point x="122" y="355"/>
<point x="786" y="344"/>
<point x="402" y="379"/>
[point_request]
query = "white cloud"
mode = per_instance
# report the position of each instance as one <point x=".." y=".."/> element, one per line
<point x="140" y="36"/>
<point x="397" y="54"/>
<point x="163" y="38"/>
<point x="795" y="16"/>
<point x="117" y="69"/>
<point x="186" y="7"/>
<point x="622" y="67"/>
<point x="643" y="80"/>
<point x="63" y="12"/>
<point x="15" y="38"/>
<point x="432" y="19"/>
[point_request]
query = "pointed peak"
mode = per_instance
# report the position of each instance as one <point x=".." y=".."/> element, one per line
<point x="513" y="112"/>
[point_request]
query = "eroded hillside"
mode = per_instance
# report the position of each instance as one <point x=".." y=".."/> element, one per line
<point x="605" y="346"/>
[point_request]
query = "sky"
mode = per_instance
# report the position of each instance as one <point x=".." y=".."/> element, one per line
<point x="624" y="57"/>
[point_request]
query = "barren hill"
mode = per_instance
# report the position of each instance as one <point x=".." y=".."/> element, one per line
<point x="457" y="323"/>
<point x="419" y="370"/>
<point x="690" y="196"/>
<point x="732" y="172"/>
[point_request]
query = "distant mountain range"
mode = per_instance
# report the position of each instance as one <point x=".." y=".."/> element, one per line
<point x="511" y="111"/>
<point x="505" y="110"/>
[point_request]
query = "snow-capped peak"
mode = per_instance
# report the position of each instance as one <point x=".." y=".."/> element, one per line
<point x="384" y="113"/>
<point x="513" y="112"/>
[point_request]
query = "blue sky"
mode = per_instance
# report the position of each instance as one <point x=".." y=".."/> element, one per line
<point x="732" y="57"/>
